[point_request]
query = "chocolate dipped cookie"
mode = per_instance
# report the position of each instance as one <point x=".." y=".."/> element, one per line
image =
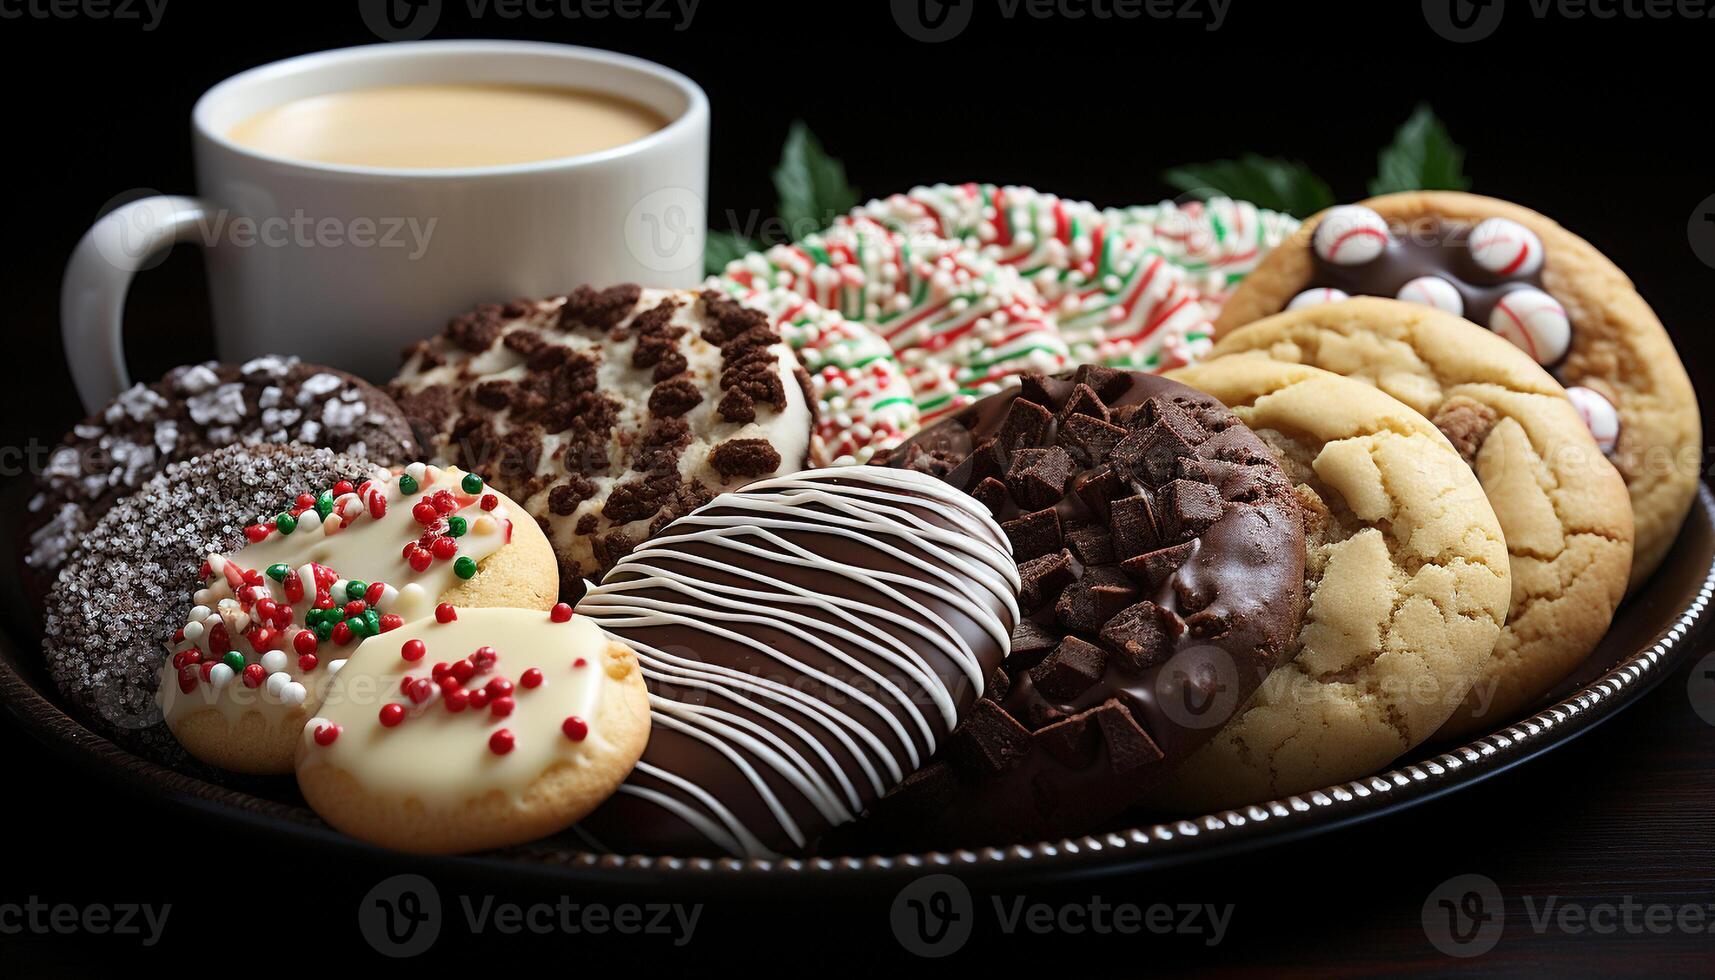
<point x="608" y="413"/>
<point x="1161" y="554"/>
<point x="194" y="410"/>
<point x="808" y="642"/>
<point x="1406" y="587"/>
<point x="1548" y="291"/>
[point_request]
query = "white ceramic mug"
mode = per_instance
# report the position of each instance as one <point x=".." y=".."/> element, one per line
<point x="347" y="265"/>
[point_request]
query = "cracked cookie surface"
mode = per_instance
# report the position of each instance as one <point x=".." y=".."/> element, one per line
<point x="1406" y="579"/>
<point x="1562" y="506"/>
<point x="1618" y="351"/>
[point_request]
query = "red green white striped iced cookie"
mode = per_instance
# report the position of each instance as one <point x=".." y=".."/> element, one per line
<point x="1217" y="242"/>
<point x="963" y="325"/>
<point x="1115" y="300"/>
<point x="863" y="398"/>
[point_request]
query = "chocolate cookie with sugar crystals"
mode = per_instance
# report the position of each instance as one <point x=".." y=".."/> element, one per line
<point x="193" y="410"/>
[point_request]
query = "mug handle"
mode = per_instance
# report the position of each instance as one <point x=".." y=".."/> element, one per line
<point x="92" y="297"/>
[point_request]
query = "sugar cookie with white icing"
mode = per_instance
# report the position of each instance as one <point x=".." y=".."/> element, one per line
<point x="276" y="619"/>
<point x="474" y="728"/>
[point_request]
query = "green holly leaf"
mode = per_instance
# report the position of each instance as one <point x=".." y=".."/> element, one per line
<point x="812" y="185"/>
<point x="722" y="247"/>
<point x="1422" y="157"/>
<point x="1267" y="182"/>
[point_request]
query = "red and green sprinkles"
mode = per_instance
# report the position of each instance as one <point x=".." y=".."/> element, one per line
<point x="473" y="683"/>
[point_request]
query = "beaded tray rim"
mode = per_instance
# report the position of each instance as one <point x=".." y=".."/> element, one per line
<point x="1137" y="848"/>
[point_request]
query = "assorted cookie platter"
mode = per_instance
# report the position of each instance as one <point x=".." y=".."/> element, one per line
<point x="980" y="520"/>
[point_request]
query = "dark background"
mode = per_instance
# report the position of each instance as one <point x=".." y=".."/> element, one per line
<point x="1598" y="123"/>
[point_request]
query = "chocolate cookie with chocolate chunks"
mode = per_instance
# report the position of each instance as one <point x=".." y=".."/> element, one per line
<point x="1160" y="548"/>
<point x="609" y="413"/>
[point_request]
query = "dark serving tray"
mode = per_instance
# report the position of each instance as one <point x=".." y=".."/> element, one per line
<point x="1653" y="632"/>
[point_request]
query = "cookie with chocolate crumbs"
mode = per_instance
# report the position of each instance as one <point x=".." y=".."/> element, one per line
<point x="608" y="413"/>
<point x="193" y="410"/>
<point x="1160" y="550"/>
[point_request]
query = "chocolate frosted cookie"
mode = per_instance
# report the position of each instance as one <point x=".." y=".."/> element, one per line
<point x="1161" y="555"/>
<point x="1533" y="282"/>
<point x="808" y="641"/>
<point x="194" y="410"/>
<point x="608" y="413"/>
<point x="114" y="610"/>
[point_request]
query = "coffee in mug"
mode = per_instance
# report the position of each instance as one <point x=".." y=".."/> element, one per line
<point x="431" y="126"/>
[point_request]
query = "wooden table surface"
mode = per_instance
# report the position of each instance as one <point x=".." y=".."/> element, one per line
<point x="1622" y="816"/>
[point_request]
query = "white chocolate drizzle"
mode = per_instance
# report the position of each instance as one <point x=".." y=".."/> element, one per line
<point x="966" y="566"/>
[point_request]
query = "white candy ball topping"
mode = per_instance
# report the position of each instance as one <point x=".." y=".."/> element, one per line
<point x="1350" y="235"/>
<point x="1506" y="248"/>
<point x="1535" y="322"/>
<point x="1433" y="291"/>
<point x="1316" y="297"/>
<point x="1599" y="415"/>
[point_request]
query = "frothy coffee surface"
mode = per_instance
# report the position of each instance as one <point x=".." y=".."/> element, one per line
<point x="450" y="125"/>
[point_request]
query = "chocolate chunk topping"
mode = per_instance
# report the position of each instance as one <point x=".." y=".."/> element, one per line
<point x="990" y="740"/>
<point x="1189" y="508"/>
<point x="1153" y="568"/>
<point x="1137" y="634"/>
<point x="1033" y="535"/>
<point x="1133" y="523"/>
<point x="991" y="493"/>
<point x="673" y="398"/>
<point x="1044" y="578"/>
<point x="1146" y="520"/>
<point x="1069" y="670"/>
<point x="1028" y="637"/>
<point x="565" y="498"/>
<point x="744" y="457"/>
<point x="1083" y="402"/>
<point x="1091" y="544"/>
<point x="599" y="309"/>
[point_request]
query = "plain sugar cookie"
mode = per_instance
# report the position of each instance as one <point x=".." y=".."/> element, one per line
<point x="1543" y="288"/>
<point x="474" y="728"/>
<point x="275" y="620"/>
<point x="1561" y="504"/>
<point x="1405" y="575"/>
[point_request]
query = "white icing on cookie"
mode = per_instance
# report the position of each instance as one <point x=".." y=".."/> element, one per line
<point x="391" y="723"/>
<point x="231" y="631"/>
